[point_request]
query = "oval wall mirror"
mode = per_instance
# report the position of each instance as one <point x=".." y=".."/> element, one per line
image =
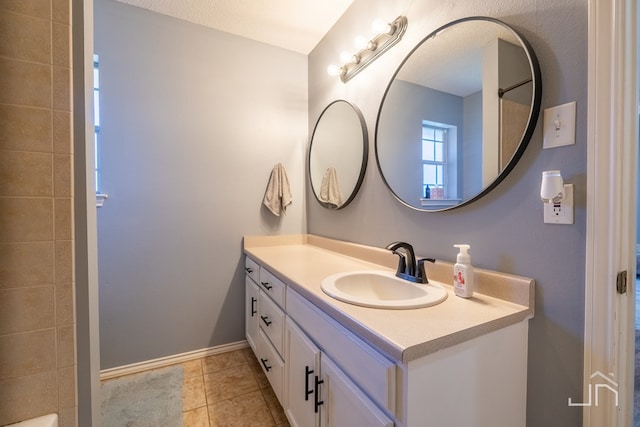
<point x="338" y="154"/>
<point x="458" y="114"/>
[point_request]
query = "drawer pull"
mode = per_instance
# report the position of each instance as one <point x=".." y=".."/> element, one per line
<point x="248" y="270"/>
<point x="266" y="320"/>
<point x="266" y="285"/>
<point x="316" y="390"/>
<point x="307" y="392"/>
<point x="253" y="306"/>
<point x="264" y="363"/>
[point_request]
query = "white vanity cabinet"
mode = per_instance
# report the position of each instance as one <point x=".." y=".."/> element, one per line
<point x="319" y="392"/>
<point x="264" y="322"/>
<point x="291" y="341"/>
<point x="302" y="378"/>
<point x="325" y="374"/>
<point x="251" y="312"/>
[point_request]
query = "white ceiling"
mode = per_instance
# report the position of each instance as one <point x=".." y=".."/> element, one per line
<point x="296" y="25"/>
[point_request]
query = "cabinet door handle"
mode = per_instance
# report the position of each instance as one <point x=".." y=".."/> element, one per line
<point x="264" y="363"/>
<point x="266" y="321"/>
<point x="316" y="390"/>
<point x="253" y="306"/>
<point x="266" y="285"/>
<point x="248" y="270"/>
<point x="307" y="392"/>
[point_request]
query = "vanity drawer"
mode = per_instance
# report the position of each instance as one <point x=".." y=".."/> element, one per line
<point x="272" y="286"/>
<point x="271" y="321"/>
<point x="252" y="269"/>
<point x="372" y="372"/>
<point x="271" y="363"/>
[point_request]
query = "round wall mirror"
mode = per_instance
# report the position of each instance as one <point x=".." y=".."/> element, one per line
<point x="338" y="154"/>
<point x="458" y="114"/>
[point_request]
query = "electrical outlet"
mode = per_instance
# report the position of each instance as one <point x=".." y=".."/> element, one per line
<point x="560" y="213"/>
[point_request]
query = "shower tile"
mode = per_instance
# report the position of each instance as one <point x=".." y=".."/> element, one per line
<point x="64" y="304"/>
<point x="25" y="37"/>
<point x="27" y="353"/>
<point x="26" y="264"/>
<point x="63" y="218"/>
<point x="67" y="387"/>
<point x="25" y="83"/>
<point x="67" y="417"/>
<point x="64" y="261"/>
<point x="61" y="11"/>
<point x="61" y="45"/>
<point x="28" y="397"/>
<point x="62" y="142"/>
<point x="65" y="336"/>
<point x="28" y="129"/>
<point x="62" y="175"/>
<point x="26" y="219"/>
<point x="36" y="8"/>
<point x="61" y="89"/>
<point x="26" y="174"/>
<point x="26" y="309"/>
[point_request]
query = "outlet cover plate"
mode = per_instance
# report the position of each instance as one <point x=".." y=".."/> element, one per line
<point x="560" y="213"/>
<point x="559" y="125"/>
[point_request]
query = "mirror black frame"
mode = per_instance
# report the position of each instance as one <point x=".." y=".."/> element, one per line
<point x="531" y="124"/>
<point x="365" y="155"/>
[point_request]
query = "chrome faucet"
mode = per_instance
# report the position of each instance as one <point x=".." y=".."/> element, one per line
<point x="409" y="269"/>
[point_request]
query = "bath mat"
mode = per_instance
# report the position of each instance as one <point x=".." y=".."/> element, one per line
<point x="147" y="399"/>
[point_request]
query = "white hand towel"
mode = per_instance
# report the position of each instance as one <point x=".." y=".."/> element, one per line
<point x="278" y="194"/>
<point x="330" y="190"/>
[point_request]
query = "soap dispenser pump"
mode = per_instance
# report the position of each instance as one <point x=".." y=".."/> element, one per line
<point x="463" y="273"/>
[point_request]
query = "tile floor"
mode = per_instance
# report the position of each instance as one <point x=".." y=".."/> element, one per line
<point x="229" y="390"/>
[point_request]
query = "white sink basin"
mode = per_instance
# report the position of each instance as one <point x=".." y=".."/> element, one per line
<point x="382" y="289"/>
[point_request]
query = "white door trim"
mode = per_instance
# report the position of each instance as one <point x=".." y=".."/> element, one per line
<point x="611" y="210"/>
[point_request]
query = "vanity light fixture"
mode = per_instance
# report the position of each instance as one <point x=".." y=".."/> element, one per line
<point x="557" y="197"/>
<point x="388" y="34"/>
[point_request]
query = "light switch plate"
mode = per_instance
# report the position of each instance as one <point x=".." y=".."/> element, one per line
<point x="560" y="213"/>
<point x="559" y="125"/>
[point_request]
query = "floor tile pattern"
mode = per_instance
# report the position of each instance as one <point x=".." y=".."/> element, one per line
<point x="229" y="390"/>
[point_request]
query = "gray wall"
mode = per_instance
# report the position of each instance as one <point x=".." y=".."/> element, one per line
<point x="472" y="149"/>
<point x="505" y="228"/>
<point x="403" y="153"/>
<point x="193" y="120"/>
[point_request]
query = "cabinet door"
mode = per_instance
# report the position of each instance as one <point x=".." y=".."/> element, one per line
<point x="272" y="365"/>
<point x="303" y="362"/>
<point x="251" y="311"/>
<point x="344" y="405"/>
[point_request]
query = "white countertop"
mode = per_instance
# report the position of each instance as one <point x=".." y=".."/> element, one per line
<point x="303" y="261"/>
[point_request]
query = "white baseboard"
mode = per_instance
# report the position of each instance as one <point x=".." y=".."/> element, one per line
<point x="134" y="368"/>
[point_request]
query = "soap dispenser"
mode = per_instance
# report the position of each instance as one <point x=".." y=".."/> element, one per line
<point x="463" y="273"/>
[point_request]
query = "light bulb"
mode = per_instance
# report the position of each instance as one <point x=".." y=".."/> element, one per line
<point x="380" y="26"/>
<point x="360" y="42"/>
<point x="345" y="56"/>
<point x="334" y="70"/>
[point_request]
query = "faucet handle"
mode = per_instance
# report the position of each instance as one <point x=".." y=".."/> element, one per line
<point x="422" y="274"/>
